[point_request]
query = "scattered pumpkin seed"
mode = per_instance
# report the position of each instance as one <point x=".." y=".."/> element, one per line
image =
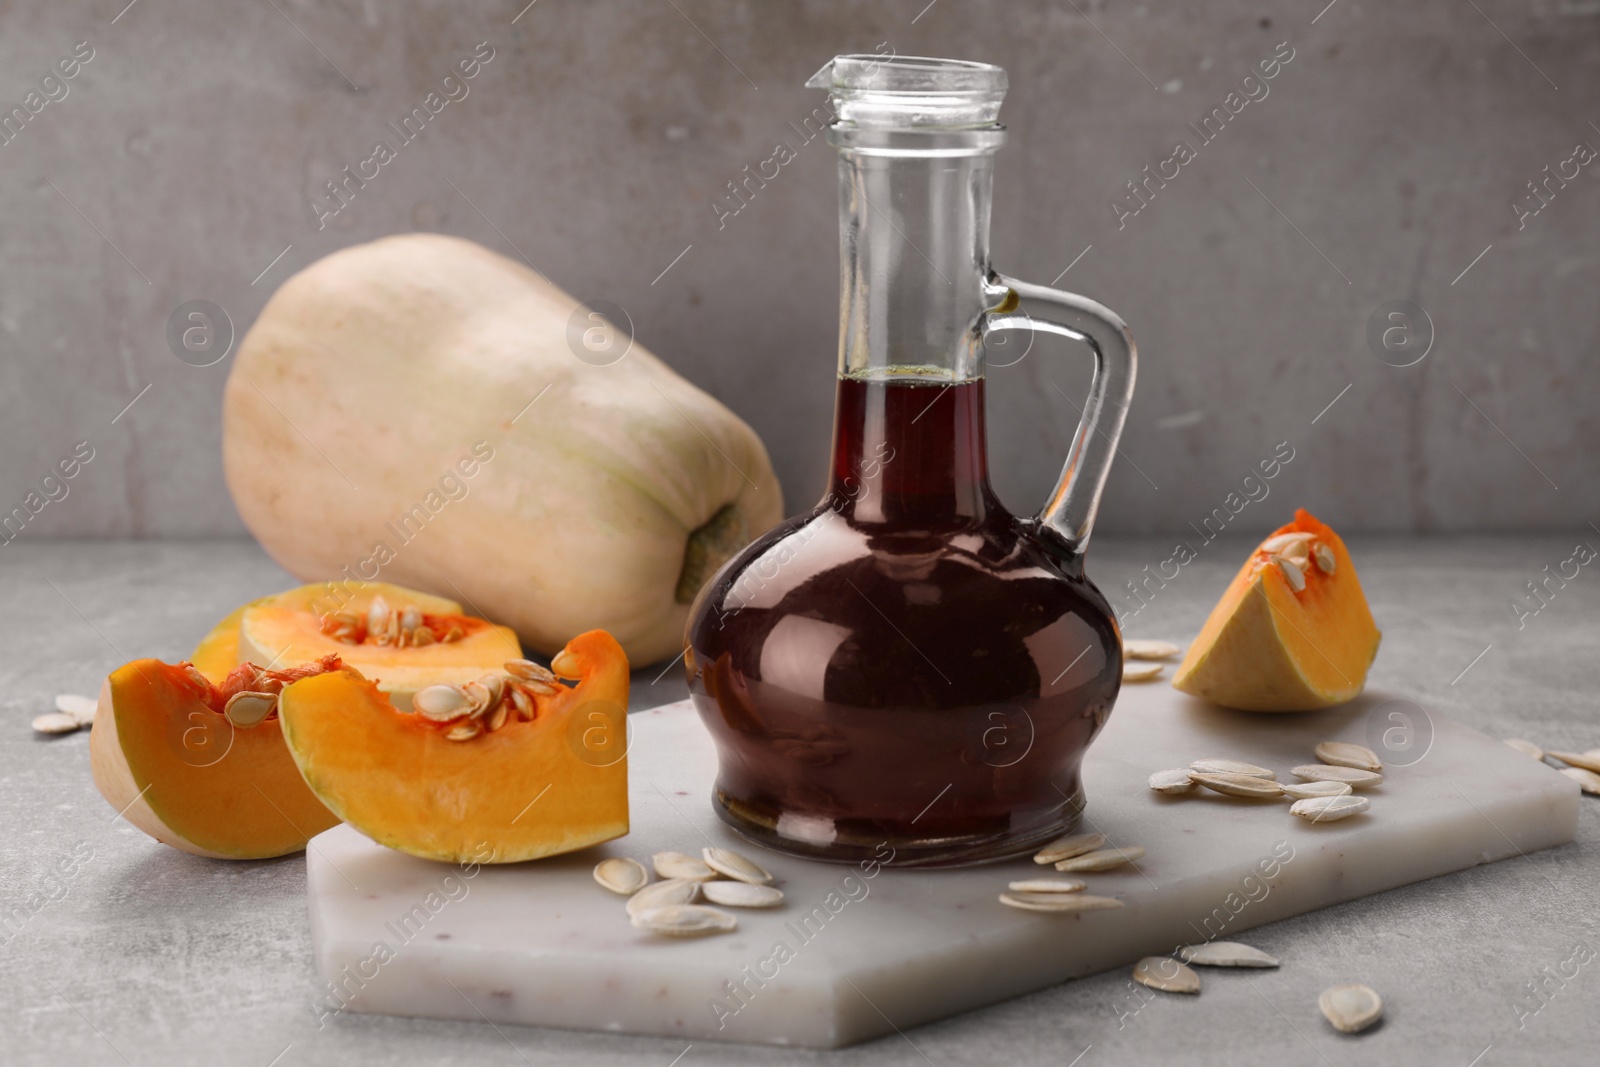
<point x="1351" y="1008"/>
<point x="1355" y="777"/>
<point x="1172" y="782"/>
<point x="1145" y="648"/>
<point x="1307" y="790"/>
<point x="1102" y="860"/>
<point x="1527" y="748"/>
<point x="1048" y="885"/>
<point x="1329" y="809"/>
<point x="1232" y="766"/>
<point x="664" y="894"/>
<point x="1576" y="759"/>
<point x="1587" y="780"/>
<point x="621" y="875"/>
<point x="685" y="920"/>
<point x="1166" y="974"/>
<point x="681" y="865"/>
<point x="1059" y="902"/>
<point x="741" y="894"/>
<point x="79" y="707"/>
<point x="1238" y="785"/>
<point x="1226" y="954"/>
<point x="1345" y="754"/>
<point x="728" y="862"/>
<point x="1291" y="572"/>
<point x="1140" y="672"/>
<point x="1066" y="847"/>
<point x="56" y="722"/>
<point x="1327" y="562"/>
<point x="249" y="709"/>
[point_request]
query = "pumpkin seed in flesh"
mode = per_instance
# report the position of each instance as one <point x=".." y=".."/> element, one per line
<point x="1166" y="974"/>
<point x="1059" y="902"/>
<point x="1587" y="780"/>
<point x="441" y="703"/>
<point x="1144" y="648"/>
<point x="1527" y="748"/>
<point x="56" y="722"/>
<point x="1066" y="847"/>
<point x="1232" y="766"/>
<point x="465" y="730"/>
<point x="529" y="671"/>
<point x="1355" y="777"/>
<point x="681" y="865"/>
<point x="80" y="708"/>
<point x="741" y="894"/>
<point x="728" y="862"/>
<point x="1577" y="759"/>
<point x="621" y="875"/>
<point x="685" y="920"/>
<point x="1283" y="541"/>
<point x="1140" y="672"/>
<point x="1102" y="860"/>
<point x="1327" y="562"/>
<point x="249" y="709"/>
<point x="1329" y="809"/>
<point x="1307" y="790"/>
<point x="1291" y="572"/>
<point x="1172" y="782"/>
<point x="1048" y="885"/>
<point x="1345" y="754"/>
<point x="497" y="718"/>
<point x="1238" y="785"/>
<point x="1351" y="1008"/>
<point x="665" y="894"/>
<point x="1226" y="954"/>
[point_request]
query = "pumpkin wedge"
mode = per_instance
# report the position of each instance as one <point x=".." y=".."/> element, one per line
<point x="1293" y="631"/>
<point x="167" y="754"/>
<point x="521" y="766"/>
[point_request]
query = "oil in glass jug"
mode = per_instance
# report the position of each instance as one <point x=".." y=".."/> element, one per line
<point x="909" y="665"/>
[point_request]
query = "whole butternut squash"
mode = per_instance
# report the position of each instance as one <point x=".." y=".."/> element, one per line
<point x="415" y="410"/>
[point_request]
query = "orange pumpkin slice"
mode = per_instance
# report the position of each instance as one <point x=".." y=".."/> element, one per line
<point x="515" y="787"/>
<point x="167" y="756"/>
<point x="1293" y="631"/>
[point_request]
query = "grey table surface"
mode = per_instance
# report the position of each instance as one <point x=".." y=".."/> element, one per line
<point x="144" y="955"/>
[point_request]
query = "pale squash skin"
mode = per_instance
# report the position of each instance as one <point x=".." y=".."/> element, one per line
<point x="374" y="372"/>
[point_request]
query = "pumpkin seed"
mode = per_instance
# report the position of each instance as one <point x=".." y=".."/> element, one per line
<point x="56" y="722"/>
<point x="1232" y="766"/>
<point x="681" y="865"/>
<point x="1576" y="759"/>
<point x="1307" y="790"/>
<point x="685" y="920"/>
<point x="1327" y="562"/>
<point x="1587" y="780"/>
<point x="1166" y="974"/>
<point x="1351" y="1008"/>
<point x="1345" y="754"/>
<point x="1329" y="809"/>
<point x="1102" y="860"/>
<point x="664" y="894"/>
<point x="1059" y="902"/>
<point x="1140" y="672"/>
<point x="455" y="633"/>
<point x="741" y="894"/>
<point x="1355" y="777"/>
<point x="1299" y="554"/>
<point x="1527" y="748"/>
<point x="495" y="686"/>
<point x="81" y="709"/>
<point x="497" y="718"/>
<point x="528" y="671"/>
<point x="1283" y="541"/>
<point x="526" y="711"/>
<point x="249" y="709"/>
<point x="465" y="730"/>
<point x="1172" y="782"/>
<point x="378" y="618"/>
<point x="1143" y="648"/>
<point x="1226" y="954"/>
<point x="442" y="703"/>
<point x="1066" y="847"/>
<point x="1291" y="572"/>
<point x="728" y="862"/>
<point x="1048" y="885"/>
<point x="621" y="875"/>
<point x="1238" y="785"/>
<point x="477" y="695"/>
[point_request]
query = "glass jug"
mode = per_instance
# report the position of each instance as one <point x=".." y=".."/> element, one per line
<point x="909" y="666"/>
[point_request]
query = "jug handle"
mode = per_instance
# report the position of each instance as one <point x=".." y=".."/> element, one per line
<point x="1069" y="511"/>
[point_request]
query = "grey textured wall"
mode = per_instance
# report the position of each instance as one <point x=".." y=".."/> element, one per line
<point x="1383" y="162"/>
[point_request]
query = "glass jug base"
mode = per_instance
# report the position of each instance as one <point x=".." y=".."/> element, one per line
<point x="765" y="828"/>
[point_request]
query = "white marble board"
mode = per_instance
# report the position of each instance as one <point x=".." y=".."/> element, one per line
<point x="541" y="944"/>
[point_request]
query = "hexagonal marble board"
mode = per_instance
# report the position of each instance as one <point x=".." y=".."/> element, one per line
<point x="850" y="957"/>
